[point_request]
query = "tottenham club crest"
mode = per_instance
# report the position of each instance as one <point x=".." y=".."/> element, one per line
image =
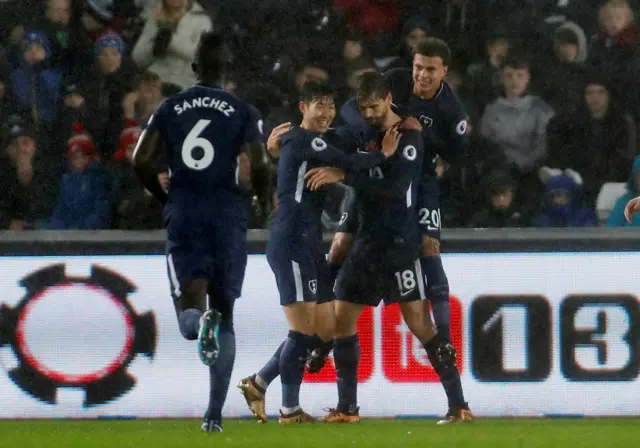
<point x="313" y="286"/>
<point x="82" y="333"/>
<point x="425" y="121"/>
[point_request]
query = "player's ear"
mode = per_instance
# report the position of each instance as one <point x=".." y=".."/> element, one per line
<point x="303" y="107"/>
<point x="446" y="70"/>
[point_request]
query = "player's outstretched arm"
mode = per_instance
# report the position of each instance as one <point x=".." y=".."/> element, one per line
<point x="149" y="149"/>
<point x="633" y="206"/>
<point x="330" y="155"/>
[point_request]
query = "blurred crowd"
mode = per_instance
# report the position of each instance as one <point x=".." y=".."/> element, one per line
<point x="551" y="88"/>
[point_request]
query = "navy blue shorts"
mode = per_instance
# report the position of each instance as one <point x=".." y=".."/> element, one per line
<point x="428" y="207"/>
<point x="375" y="271"/>
<point x="301" y="274"/>
<point x="213" y="249"/>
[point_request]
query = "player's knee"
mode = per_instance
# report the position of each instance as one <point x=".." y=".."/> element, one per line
<point x="345" y="325"/>
<point x="430" y="246"/>
<point x="194" y="295"/>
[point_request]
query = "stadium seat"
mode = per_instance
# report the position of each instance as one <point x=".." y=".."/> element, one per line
<point x="609" y="194"/>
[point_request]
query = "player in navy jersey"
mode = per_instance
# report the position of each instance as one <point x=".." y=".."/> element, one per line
<point x="384" y="260"/>
<point x="423" y="94"/>
<point x="294" y="249"/>
<point x="213" y="141"/>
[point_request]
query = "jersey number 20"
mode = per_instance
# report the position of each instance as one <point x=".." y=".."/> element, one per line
<point x="193" y="141"/>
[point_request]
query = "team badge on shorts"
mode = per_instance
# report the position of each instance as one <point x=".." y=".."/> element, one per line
<point x="313" y="286"/>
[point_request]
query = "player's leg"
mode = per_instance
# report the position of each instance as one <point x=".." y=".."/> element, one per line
<point x="225" y="287"/>
<point x="220" y="372"/>
<point x="355" y="288"/>
<point x="437" y="288"/>
<point x="437" y="293"/>
<point x="188" y="271"/>
<point x="297" y="285"/>
<point x="325" y="310"/>
<point x="300" y="341"/>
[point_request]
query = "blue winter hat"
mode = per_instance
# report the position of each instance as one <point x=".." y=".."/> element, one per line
<point x="110" y="39"/>
<point x="37" y="37"/>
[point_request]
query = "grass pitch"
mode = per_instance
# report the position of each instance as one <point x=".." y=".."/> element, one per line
<point x="490" y="433"/>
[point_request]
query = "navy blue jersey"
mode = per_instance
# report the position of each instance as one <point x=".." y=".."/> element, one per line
<point x="204" y="130"/>
<point x="300" y="209"/>
<point x="386" y="195"/>
<point x="443" y="117"/>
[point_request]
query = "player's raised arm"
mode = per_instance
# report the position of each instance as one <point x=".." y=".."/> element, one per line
<point x="401" y="174"/>
<point x="148" y="150"/>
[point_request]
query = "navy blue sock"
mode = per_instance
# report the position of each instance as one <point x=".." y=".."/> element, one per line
<point x="450" y="379"/>
<point x="220" y="372"/>
<point x="437" y="292"/>
<point x="294" y="354"/>
<point x="346" y="354"/>
<point x="271" y="369"/>
<point x="189" y="323"/>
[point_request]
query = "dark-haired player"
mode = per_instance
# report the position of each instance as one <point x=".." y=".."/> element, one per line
<point x="384" y="260"/>
<point x="294" y="249"/>
<point x="213" y="141"/>
<point x="423" y="94"/>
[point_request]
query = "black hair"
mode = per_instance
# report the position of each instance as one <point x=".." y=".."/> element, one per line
<point x="518" y="62"/>
<point x="372" y="84"/>
<point x="211" y="57"/>
<point x="432" y="47"/>
<point x="313" y="91"/>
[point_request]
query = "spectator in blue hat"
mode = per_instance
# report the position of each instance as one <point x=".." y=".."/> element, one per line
<point x="99" y="95"/>
<point x="36" y="86"/>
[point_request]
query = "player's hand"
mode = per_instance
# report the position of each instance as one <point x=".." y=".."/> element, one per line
<point x="633" y="206"/>
<point x="275" y="138"/>
<point x="390" y="141"/>
<point x="163" y="180"/>
<point x="129" y="104"/>
<point x="317" y="177"/>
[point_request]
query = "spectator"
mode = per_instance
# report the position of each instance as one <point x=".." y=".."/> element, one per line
<point x="36" y="88"/>
<point x="616" y="218"/>
<point x="83" y="198"/>
<point x="484" y="79"/>
<point x="370" y="18"/>
<point x="615" y="52"/>
<point x="16" y="178"/>
<point x="142" y="102"/>
<point x="135" y="207"/>
<point x="599" y="140"/>
<point x="517" y="124"/>
<point x="56" y="27"/>
<point x="502" y="210"/>
<point x="169" y="39"/>
<point x="105" y="89"/>
<point x="562" y="76"/>
<point x="312" y="69"/>
<point x="563" y="203"/>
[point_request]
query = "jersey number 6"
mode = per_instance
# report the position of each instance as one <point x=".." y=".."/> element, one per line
<point x="193" y="141"/>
